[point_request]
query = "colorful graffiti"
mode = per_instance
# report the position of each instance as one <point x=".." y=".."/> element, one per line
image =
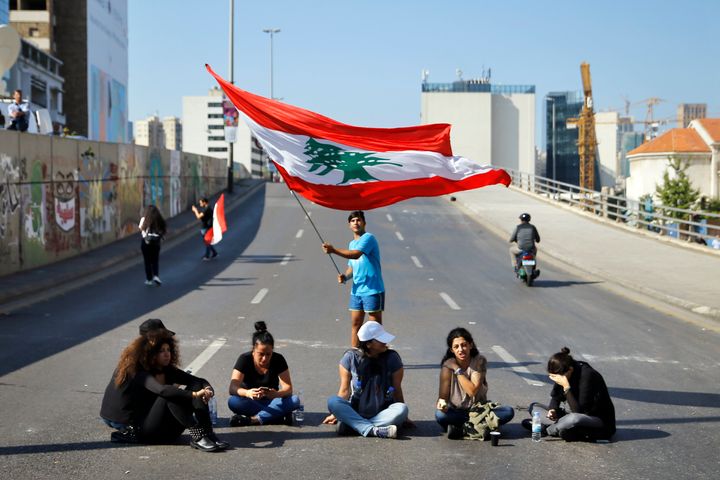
<point x="9" y="191"/>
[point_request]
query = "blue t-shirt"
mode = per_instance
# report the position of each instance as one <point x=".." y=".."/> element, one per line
<point x="367" y="273"/>
<point x="371" y="380"/>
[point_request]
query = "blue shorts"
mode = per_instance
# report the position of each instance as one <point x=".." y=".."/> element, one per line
<point x="367" y="303"/>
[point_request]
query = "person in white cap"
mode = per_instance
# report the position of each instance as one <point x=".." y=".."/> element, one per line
<point x="370" y="399"/>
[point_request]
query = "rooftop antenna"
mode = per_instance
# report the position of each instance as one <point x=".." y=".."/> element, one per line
<point x="425" y="74"/>
<point x="459" y="74"/>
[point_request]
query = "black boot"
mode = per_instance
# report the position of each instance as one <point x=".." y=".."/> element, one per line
<point x="201" y="440"/>
<point x="127" y="435"/>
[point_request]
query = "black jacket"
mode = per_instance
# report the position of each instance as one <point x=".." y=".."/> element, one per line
<point x="591" y="396"/>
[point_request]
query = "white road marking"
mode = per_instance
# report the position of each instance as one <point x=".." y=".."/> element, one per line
<point x="389" y="217"/>
<point x="624" y="358"/>
<point x="260" y="295"/>
<point x="399" y="235"/>
<point x="520" y="370"/>
<point x="451" y="303"/>
<point x="206" y="354"/>
<point x="286" y="259"/>
<point x="416" y="261"/>
<point x="299" y="234"/>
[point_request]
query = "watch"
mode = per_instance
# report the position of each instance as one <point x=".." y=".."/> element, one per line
<point x="458" y="371"/>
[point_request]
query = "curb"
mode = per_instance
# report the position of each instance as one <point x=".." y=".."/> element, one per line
<point x="46" y="285"/>
<point x="708" y="313"/>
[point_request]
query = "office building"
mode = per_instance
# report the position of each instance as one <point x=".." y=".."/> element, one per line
<point x="4" y="20"/>
<point x="491" y="124"/>
<point x="150" y="132"/>
<point x="687" y="112"/>
<point x="172" y="127"/>
<point x="34" y="21"/>
<point x="563" y="161"/>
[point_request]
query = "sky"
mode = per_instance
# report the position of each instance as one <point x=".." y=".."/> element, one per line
<point x="360" y="61"/>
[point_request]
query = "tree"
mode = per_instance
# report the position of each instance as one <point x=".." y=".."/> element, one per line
<point x="676" y="191"/>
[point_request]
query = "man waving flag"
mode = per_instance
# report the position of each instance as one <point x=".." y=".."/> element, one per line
<point x="357" y="168"/>
<point x="215" y="233"/>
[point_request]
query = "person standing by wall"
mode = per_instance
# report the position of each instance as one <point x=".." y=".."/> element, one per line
<point x="153" y="229"/>
<point x="18" y="112"/>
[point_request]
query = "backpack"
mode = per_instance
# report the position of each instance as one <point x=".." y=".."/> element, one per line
<point x="482" y="420"/>
<point x="372" y="389"/>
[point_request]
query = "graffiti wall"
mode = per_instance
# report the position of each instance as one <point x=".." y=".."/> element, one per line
<point x="60" y="196"/>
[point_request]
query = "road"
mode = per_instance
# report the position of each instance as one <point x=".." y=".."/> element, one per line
<point x="441" y="270"/>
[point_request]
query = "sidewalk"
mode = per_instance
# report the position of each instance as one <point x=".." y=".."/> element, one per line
<point x="679" y="276"/>
<point x="55" y="278"/>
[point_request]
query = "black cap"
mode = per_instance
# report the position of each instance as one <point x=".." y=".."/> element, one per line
<point x="153" y="324"/>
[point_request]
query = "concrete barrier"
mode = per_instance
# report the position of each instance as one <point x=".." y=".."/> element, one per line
<point x="60" y="196"/>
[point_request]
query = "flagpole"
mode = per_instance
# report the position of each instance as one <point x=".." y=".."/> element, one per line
<point x="314" y="227"/>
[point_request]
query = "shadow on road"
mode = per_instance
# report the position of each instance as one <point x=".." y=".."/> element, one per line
<point x="263" y="259"/>
<point x="559" y="283"/>
<point x="630" y="434"/>
<point x="656" y="421"/>
<point x="510" y="365"/>
<point x="667" y="397"/>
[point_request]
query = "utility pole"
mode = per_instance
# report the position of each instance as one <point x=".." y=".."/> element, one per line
<point x="230" y="179"/>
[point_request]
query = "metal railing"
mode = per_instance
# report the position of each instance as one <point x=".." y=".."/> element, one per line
<point x="689" y="225"/>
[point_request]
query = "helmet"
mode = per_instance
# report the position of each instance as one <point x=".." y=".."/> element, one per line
<point x="525" y="217"/>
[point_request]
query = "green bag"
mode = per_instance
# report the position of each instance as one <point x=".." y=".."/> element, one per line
<point x="482" y="420"/>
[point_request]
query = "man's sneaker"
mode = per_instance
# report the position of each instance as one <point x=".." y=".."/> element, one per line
<point x="157" y="280"/>
<point x="149" y="282"/>
<point x="239" y="421"/>
<point x="455" y="432"/>
<point x="385" y="432"/>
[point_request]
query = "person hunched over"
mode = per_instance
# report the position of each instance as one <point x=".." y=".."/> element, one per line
<point x="144" y="403"/>
<point x="261" y="390"/>
<point x="591" y="414"/>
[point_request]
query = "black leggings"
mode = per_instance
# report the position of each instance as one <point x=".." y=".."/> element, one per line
<point x="151" y="255"/>
<point x="168" y="419"/>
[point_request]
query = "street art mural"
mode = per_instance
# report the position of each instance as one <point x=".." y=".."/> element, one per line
<point x="86" y="194"/>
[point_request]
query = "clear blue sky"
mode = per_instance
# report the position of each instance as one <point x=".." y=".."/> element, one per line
<point x="360" y="61"/>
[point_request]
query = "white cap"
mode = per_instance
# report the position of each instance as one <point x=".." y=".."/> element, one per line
<point x="372" y="330"/>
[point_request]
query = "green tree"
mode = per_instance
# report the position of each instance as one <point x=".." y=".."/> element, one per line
<point x="352" y="164"/>
<point x="676" y="191"/>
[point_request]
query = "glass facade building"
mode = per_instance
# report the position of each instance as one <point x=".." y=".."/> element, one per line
<point x="563" y="161"/>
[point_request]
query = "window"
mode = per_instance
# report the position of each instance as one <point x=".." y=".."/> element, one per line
<point x="214" y="105"/>
<point x="215" y="115"/>
<point x="217" y="149"/>
<point x="216" y="127"/>
<point x="210" y="139"/>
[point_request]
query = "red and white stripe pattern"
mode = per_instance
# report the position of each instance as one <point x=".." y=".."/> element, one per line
<point x="215" y="233"/>
<point x="357" y="168"/>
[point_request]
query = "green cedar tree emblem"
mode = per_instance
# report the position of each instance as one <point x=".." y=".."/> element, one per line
<point x="352" y="164"/>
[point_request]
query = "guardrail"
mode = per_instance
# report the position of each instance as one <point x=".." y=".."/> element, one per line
<point x="681" y="224"/>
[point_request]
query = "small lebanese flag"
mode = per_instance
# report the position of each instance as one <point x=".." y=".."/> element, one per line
<point x="215" y="233"/>
<point x="357" y="168"/>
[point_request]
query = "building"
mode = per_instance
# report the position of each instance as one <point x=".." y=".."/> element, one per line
<point x="698" y="146"/>
<point x="172" y="126"/>
<point x="150" y="132"/>
<point x="203" y="132"/>
<point x="563" y="161"/>
<point x="34" y="21"/>
<point x="492" y="124"/>
<point x="91" y="38"/>
<point x="37" y="74"/>
<point x="687" y="112"/>
<point x="4" y="20"/>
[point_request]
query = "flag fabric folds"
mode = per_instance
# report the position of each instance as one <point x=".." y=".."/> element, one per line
<point x="346" y="167"/>
<point x="215" y="233"/>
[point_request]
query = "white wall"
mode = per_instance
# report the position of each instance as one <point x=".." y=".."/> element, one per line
<point x="513" y="131"/>
<point x="606" y="133"/>
<point x="646" y="171"/>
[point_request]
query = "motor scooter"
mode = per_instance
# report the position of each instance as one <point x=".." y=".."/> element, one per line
<point x="526" y="268"/>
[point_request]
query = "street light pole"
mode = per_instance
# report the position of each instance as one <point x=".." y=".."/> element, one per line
<point x="272" y="32"/>
<point x="230" y="179"/>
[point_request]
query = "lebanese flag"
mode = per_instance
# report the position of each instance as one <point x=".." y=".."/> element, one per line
<point x="215" y="233"/>
<point x="357" y="168"/>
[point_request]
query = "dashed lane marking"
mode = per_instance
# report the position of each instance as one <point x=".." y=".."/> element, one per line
<point x="451" y="303"/>
<point x="522" y="371"/>
<point x="286" y="259"/>
<point x="389" y="217"/>
<point x="299" y="234"/>
<point x="205" y="355"/>
<point x="260" y="295"/>
<point x="399" y="235"/>
<point x="416" y="261"/>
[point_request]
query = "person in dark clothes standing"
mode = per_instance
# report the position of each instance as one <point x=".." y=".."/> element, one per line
<point x="205" y="215"/>
<point x="144" y="402"/>
<point x="590" y="414"/>
<point x="152" y="228"/>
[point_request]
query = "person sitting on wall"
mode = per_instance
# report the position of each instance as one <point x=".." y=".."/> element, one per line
<point x="18" y="112"/>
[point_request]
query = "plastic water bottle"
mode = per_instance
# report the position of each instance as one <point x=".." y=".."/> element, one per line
<point x="300" y="411"/>
<point x="536" y="427"/>
<point x="212" y="407"/>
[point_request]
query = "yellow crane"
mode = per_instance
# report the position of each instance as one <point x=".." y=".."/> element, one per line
<point x="587" y="142"/>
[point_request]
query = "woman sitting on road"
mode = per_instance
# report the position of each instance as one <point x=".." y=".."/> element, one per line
<point x="592" y="414"/>
<point x="260" y="386"/>
<point x="463" y="383"/>
<point x="144" y="403"/>
<point x="153" y="229"/>
<point x="370" y="400"/>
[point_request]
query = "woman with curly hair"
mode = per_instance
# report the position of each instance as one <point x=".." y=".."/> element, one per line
<point x="152" y="228"/>
<point x="144" y="403"/>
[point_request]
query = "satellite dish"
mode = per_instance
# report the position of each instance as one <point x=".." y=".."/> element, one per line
<point x="9" y="47"/>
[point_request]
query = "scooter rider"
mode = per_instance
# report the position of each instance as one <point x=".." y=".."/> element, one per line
<point x="524" y="236"/>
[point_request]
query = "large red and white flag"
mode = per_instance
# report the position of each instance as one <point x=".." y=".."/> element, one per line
<point x="215" y="233"/>
<point x="357" y="168"/>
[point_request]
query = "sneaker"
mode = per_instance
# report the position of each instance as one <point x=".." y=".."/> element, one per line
<point x="455" y="432"/>
<point x="385" y="432"/>
<point x="157" y="280"/>
<point x="214" y="255"/>
<point x="149" y="282"/>
<point x="205" y="259"/>
<point x="288" y="419"/>
<point x="239" y="421"/>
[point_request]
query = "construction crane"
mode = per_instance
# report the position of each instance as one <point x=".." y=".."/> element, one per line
<point x="587" y="142"/>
